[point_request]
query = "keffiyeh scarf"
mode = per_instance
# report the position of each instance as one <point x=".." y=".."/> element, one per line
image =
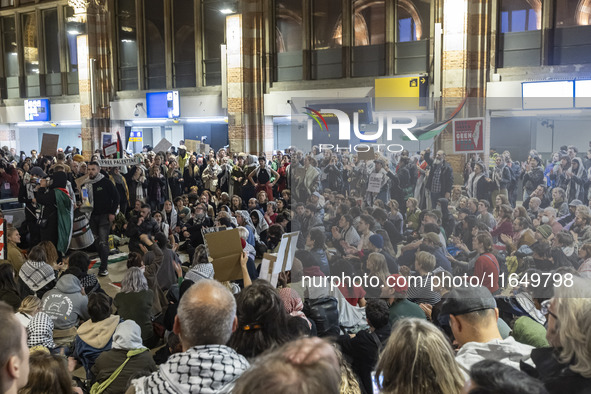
<point x="36" y="274"/>
<point x="201" y="369"/>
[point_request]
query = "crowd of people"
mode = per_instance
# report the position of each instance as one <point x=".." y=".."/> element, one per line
<point x="405" y="279"/>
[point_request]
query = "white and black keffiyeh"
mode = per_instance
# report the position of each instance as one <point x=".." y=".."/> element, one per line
<point x="36" y="274"/>
<point x="201" y="369"/>
<point x="200" y="272"/>
<point x="40" y="331"/>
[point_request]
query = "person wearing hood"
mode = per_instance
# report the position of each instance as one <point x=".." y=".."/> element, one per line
<point x="57" y="212"/>
<point x="260" y="224"/>
<point x="533" y="175"/>
<point x="66" y="304"/>
<point x="126" y="358"/>
<point x="576" y="178"/>
<point x="95" y="335"/>
<point x="27" y="197"/>
<point x="243" y="219"/>
<point x="170" y="217"/>
<point x="479" y="185"/>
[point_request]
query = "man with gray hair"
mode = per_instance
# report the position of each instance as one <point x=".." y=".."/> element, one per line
<point x="549" y="218"/>
<point x="205" y="321"/>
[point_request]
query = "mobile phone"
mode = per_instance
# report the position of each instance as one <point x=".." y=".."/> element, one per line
<point x="374" y="382"/>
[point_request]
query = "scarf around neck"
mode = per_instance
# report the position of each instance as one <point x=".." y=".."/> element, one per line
<point x="201" y="369"/>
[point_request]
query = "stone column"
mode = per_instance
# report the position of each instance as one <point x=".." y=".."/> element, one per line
<point x="465" y="67"/>
<point x="94" y="71"/>
<point x="246" y="64"/>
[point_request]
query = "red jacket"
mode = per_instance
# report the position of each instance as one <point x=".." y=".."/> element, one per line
<point x="487" y="270"/>
<point x="11" y="176"/>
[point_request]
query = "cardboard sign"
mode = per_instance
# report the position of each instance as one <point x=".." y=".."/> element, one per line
<point x="49" y="144"/>
<point x="286" y="252"/>
<point x="163" y="146"/>
<point x="225" y="249"/>
<point x="267" y="266"/>
<point x="110" y="149"/>
<point x="468" y="135"/>
<point x="375" y="182"/>
<point x="192" y="146"/>
<point x="369" y="155"/>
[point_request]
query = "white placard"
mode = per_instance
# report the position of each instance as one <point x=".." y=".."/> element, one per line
<point x="286" y="252"/>
<point x="375" y="182"/>
<point x="119" y="162"/>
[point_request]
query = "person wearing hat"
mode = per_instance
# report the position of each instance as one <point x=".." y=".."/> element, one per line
<point x="183" y="158"/>
<point x="399" y="306"/>
<point x="473" y="316"/>
<point x="376" y="245"/>
<point x="568" y="220"/>
<point x="543" y="232"/>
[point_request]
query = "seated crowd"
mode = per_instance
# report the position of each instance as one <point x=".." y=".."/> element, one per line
<point x="415" y="285"/>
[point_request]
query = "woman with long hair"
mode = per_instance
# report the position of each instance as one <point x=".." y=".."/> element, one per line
<point x="14" y="254"/>
<point x="504" y="222"/>
<point x="135" y="302"/>
<point x="376" y="267"/>
<point x="8" y="289"/>
<point x="262" y="320"/>
<point x="412" y="214"/>
<point x="585" y="256"/>
<point x="487" y="266"/>
<point x="418" y="359"/>
<point x="48" y="373"/>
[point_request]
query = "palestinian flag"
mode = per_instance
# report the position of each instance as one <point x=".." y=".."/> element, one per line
<point x="120" y="154"/>
<point x="434" y="129"/>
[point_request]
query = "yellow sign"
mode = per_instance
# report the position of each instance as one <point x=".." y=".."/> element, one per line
<point x="401" y="93"/>
<point x="136" y="139"/>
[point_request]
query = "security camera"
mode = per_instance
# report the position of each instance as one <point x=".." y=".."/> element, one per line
<point x="288" y="101"/>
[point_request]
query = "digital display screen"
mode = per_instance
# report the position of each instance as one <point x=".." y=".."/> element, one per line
<point x="37" y="110"/>
<point x="163" y="104"/>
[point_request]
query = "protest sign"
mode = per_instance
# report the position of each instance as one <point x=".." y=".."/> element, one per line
<point x="375" y="182"/>
<point x="119" y="162"/>
<point x="163" y="146"/>
<point x="49" y="144"/>
<point x="286" y="252"/>
<point x="110" y="149"/>
<point x="369" y="155"/>
<point x="192" y="146"/>
<point x="225" y="248"/>
<point x="267" y="266"/>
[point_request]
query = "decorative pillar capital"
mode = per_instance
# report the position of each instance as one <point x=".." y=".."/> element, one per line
<point x="81" y="7"/>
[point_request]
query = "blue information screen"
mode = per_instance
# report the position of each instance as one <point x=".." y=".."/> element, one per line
<point x="163" y="104"/>
<point x="37" y="110"/>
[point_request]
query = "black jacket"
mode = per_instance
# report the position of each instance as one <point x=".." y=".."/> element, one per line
<point x="557" y="377"/>
<point x="149" y="227"/>
<point x="362" y="351"/>
<point x="446" y="177"/>
<point x="105" y="197"/>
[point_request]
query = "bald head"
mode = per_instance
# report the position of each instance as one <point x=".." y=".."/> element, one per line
<point x="206" y="315"/>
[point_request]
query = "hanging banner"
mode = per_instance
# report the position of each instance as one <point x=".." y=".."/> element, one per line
<point x="119" y="162"/>
<point x="468" y="135"/>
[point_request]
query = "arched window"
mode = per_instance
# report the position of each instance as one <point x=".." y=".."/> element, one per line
<point x="413" y="20"/>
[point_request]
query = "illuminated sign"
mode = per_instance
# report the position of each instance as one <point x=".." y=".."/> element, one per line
<point x="37" y="110"/>
<point x="163" y="104"/>
<point x="135" y="136"/>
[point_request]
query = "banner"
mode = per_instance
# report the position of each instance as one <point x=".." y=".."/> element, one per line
<point x="468" y="135"/>
<point x="119" y="162"/>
